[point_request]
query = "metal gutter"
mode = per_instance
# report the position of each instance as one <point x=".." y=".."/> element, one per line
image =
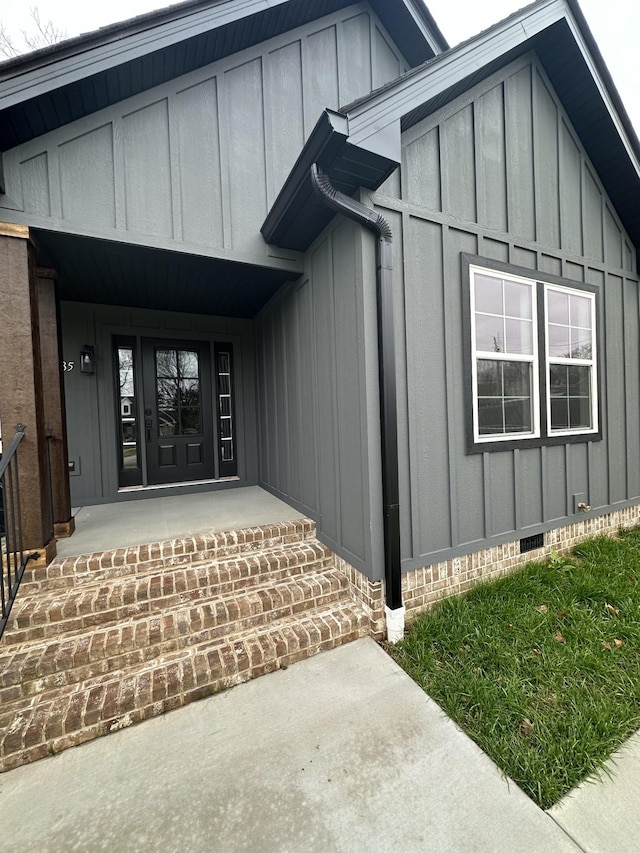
<point x="368" y="218"/>
<point x="398" y="98"/>
<point x="71" y="60"/>
<point x="559" y="35"/>
<point x="327" y="139"/>
<point x="297" y="216"/>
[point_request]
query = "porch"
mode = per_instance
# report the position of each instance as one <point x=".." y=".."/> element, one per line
<point x="106" y="527"/>
<point x="147" y="608"/>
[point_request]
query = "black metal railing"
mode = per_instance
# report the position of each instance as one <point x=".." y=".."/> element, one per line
<point x="12" y="556"/>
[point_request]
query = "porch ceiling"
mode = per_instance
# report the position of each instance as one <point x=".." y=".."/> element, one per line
<point x="110" y="273"/>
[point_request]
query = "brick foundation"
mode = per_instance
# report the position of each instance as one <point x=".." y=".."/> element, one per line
<point x="422" y="587"/>
<point x="98" y="642"/>
<point x="369" y="594"/>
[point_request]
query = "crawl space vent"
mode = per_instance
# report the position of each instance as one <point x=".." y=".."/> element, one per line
<point x="530" y="543"/>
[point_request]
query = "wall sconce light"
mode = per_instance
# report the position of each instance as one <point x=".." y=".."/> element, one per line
<point x="87" y="359"/>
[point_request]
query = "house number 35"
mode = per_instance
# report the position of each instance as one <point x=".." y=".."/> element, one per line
<point x="68" y="365"/>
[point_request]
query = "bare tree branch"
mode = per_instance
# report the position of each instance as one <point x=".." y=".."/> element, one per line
<point x="7" y="48"/>
<point x="43" y="34"/>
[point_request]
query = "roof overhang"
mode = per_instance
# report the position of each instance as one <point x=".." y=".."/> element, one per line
<point x="558" y="33"/>
<point x="298" y="215"/>
<point x="59" y="84"/>
<point x="110" y="273"/>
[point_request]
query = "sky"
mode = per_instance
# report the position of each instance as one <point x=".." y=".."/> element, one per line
<point x="615" y="25"/>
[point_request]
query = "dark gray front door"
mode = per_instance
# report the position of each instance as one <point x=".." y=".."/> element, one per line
<point x="178" y="412"/>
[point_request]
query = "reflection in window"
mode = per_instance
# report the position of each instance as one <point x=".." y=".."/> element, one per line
<point x="570" y="349"/>
<point x="525" y="384"/>
<point x="504" y="397"/>
<point x="130" y="471"/>
<point x="505" y="351"/>
<point x="178" y="392"/>
<point x="127" y="408"/>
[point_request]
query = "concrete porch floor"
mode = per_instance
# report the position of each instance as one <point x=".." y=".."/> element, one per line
<point x="118" y="525"/>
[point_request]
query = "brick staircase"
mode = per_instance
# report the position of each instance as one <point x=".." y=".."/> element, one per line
<point x="99" y="642"/>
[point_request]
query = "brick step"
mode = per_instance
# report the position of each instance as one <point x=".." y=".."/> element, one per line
<point x="34" y="667"/>
<point x="232" y="568"/>
<point x="192" y="549"/>
<point x="101" y="601"/>
<point x="62" y="717"/>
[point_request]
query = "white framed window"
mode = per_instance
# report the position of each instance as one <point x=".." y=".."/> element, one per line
<point x="571" y="368"/>
<point x="504" y="333"/>
<point x="533" y="358"/>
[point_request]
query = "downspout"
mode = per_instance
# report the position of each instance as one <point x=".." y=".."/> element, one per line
<point x="367" y="217"/>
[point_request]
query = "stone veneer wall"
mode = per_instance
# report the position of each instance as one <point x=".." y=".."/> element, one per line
<point x="422" y="587"/>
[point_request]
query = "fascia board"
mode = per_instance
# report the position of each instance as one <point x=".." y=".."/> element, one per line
<point x="368" y="117"/>
<point x="385" y="142"/>
<point x="328" y="136"/>
<point x="415" y="88"/>
<point x="90" y="59"/>
<point x="428" y="28"/>
<point x="632" y="150"/>
<point x="109" y="47"/>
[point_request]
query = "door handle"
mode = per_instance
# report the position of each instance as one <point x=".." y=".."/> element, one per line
<point x="148" y="424"/>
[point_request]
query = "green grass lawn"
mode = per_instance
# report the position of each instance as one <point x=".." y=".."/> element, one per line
<point x="541" y="668"/>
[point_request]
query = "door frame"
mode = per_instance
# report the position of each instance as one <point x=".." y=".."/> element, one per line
<point x="222" y="470"/>
<point x="179" y="444"/>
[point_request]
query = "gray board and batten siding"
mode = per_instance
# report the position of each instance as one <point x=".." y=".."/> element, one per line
<point x="191" y="166"/>
<point x="500" y="173"/>
<point x="318" y="395"/>
<point x="195" y="163"/>
<point x="92" y="412"/>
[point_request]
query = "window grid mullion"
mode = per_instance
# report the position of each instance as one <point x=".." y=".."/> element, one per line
<point x="553" y="360"/>
<point x="506" y="358"/>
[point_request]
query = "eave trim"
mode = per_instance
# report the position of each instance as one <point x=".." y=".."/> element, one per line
<point x="328" y="146"/>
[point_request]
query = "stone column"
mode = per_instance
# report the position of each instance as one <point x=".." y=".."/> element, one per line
<point x="21" y="392"/>
<point x="54" y="408"/>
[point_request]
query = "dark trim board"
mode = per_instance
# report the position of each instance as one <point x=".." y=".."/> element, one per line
<point x="61" y="83"/>
<point x="544" y="440"/>
<point x="476" y="545"/>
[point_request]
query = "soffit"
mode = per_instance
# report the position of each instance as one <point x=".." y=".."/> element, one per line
<point x="57" y="85"/>
<point x="297" y="216"/>
<point x="110" y="273"/>
<point x="558" y="33"/>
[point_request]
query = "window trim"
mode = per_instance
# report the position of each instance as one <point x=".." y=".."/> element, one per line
<point x="592" y="362"/>
<point x="541" y="434"/>
<point x="532" y="359"/>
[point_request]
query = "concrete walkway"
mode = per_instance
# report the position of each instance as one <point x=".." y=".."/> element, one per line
<point x="603" y="814"/>
<point x="342" y="752"/>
